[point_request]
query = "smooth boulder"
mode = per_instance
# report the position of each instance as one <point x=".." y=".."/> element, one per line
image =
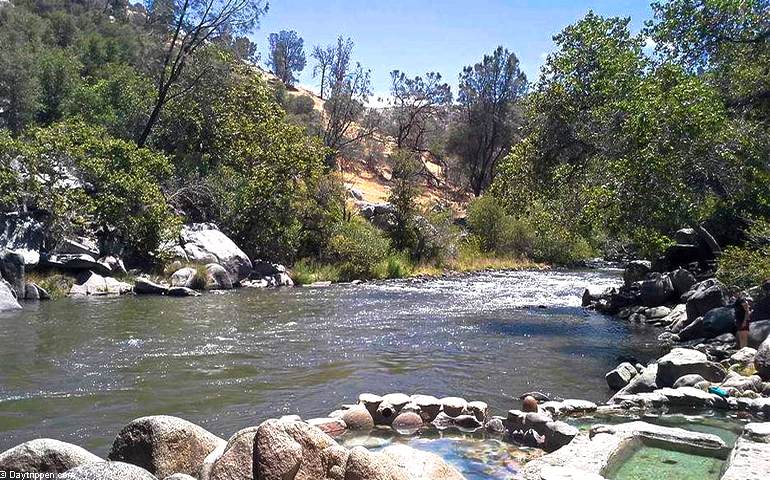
<point x="235" y="462"/>
<point x="91" y="284"/>
<point x="45" y="455"/>
<point x="762" y="360"/>
<point x="420" y="465"/>
<point x="145" y="286"/>
<point x="682" y="361"/>
<point x="204" y="243"/>
<point x="621" y="376"/>
<point x="217" y="277"/>
<point x="12" y="271"/>
<point x="656" y="291"/>
<point x="714" y="323"/>
<point x="636" y="271"/>
<point x="107" y="471"/>
<point x="164" y="445"/>
<point x="705" y="296"/>
<point x="363" y="464"/>
<point x="8" y="299"/>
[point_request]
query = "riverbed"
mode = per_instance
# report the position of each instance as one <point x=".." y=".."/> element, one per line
<point x="79" y="369"/>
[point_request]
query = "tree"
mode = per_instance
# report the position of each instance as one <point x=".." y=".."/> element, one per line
<point x="287" y="55"/>
<point x="488" y="93"/>
<point x="190" y="25"/>
<point x="417" y="105"/>
<point x="324" y="57"/>
<point x="403" y="196"/>
<point x="349" y="89"/>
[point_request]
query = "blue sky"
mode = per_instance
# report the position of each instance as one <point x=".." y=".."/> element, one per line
<point x="417" y="36"/>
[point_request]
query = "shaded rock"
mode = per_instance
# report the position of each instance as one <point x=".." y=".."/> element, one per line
<point x="90" y="283"/>
<point x="365" y="465"/>
<point x="107" y="471"/>
<point x="78" y="246"/>
<point x="358" y="418"/>
<point x="34" y="291"/>
<point x="621" y="376"/>
<point x="558" y="434"/>
<point x="164" y="445"/>
<point x="682" y="361"/>
<point x="204" y="243"/>
<point x="762" y="360"/>
<point x="646" y="381"/>
<point x="407" y="423"/>
<point x="429" y="406"/>
<point x="419" y="465"/>
<point x="742" y="383"/>
<point x="12" y="270"/>
<point x="296" y="450"/>
<point x="45" y="456"/>
<point x="7" y="298"/>
<point x="262" y="269"/>
<point x="184" y="277"/>
<point x="677" y="319"/>
<point x="479" y="409"/>
<point x="467" y="422"/>
<point x="114" y="265"/>
<point x="759" y="331"/>
<point x="705" y="296"/>
<point x="75" y="262"/>
<point x="182" y="292"/>
<point x="692" y="398"/>
<point x="655" y="291"/>
<point x="235" y="461"/>
<point x="454" y="406"/>
<point x="144" y="286"/>
<point x="636" y="271"/>
<point x="656" y="313"/>
<point x="716" y="322"/>
<point x="217" y="277"/>
<point x="23" y="233"/>
<point x="682" y="280"/>
<point x="688" y="380"/>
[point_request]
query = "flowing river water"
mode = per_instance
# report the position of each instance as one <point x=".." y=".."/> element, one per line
<point x="79" y="369"/>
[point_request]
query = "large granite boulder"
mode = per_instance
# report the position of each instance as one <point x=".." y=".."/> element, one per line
<point x="621" y="376"/>
<point x="656" y="290"/>
<point x="217" y="278"/>
<point x="758" y="332"/>
<point x="365" y="465"/>
<point x="682" y="280"/>
<point x="12" y="271"/>
<point x="420" y="465"/>
<point x="636" y="271"/>
<point x="145" y="286"/>
<point x="236" y="460"/>
<point x="762" y="360"/>
<point x="297" y="451"/>
<point x="45" y="456"/>
<point x="682" y="361"/>
<point x="714" y="323"/>
<point x="8" y="299"/>
<point x="164" y="445"/>
<point x="204" y="243"/>
<point x="107" y="471"/>
<point x="185" y="277"/>
<point x="705" y="296"/>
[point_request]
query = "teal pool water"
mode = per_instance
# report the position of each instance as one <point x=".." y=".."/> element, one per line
<point x="651" y="462"/>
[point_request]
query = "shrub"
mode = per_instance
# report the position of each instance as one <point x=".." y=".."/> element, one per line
<point x="497" y="231"/>
<point x="57" y="285"/>
<point x="307" y="271"/>
<point x="397" y="266"/>
<point x="358" y="248"/>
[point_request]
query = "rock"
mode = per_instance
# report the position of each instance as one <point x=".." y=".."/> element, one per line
<point x="467" y="422"/>
<point x="479" y="409"/>
<point x="144" y="286"/>
<point x="365" y="465"/>
<point x="184" y="277"/>
<point x="217" y="278"/>
<point x="655" y="291"/>
<point x="656" y="313"/>
<point x="262" y="269"/>
<point x="759" y="331"/>
<point x="45" y="456"/>
<point x="334" y="427"/>
<point x="646" y="381"/>
<point x="204" y="243"/>
<point x="750" y="459"/>
<point x="34" y="291"/>
<point x="164" y="445"/>
<point x="621" y="376"/>
<point x="12" y="271"/>
<point x="419" y="465"/>
<point x="113" y="264"/>
<point x="182" y="476"/>
<point x="107" y="471"/>
<point x="636" y="271"/>
<point x="454" y="406"/>
<point x="682" y="280"/>
<point x="744" y="356"/>
<point x="703" y="297"/>
<point x="743" y="384"/>
<point x="692" y="398"/>
<point x="690" y="380"/>
<point x="358" y="418"/>
<point x="297" y="451"/>
<point x="7" y="298"/>
<point x="182" y="292"/>
<point x="90" y="283"/>
<point x="407" y="423"/>
<point x="682" y="361"/>
<point x="495" y="425"/>
<point x="716" y="322"/>
<point x="429" y="406"/>
<point x="235" y="461"/>
<point x="24" y="233"/>
<point x="78" y="246"/>
<point x="558" y="434"/>
<point x="762" y="360"/>
<point x="677" y="319"/>
<point x="75" y="262"/>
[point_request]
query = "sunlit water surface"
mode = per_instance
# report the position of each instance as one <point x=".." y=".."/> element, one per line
<point x="80" y="369"/>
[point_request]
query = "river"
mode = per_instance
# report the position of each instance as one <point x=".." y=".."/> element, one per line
<point x="79" y="369"/>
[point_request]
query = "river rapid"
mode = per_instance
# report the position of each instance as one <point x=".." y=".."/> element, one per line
<point x="79" y="369"/>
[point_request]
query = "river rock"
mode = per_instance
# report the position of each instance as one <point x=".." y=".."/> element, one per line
<point x="692" y="398"/>
<point x="558" y="434"/>
<point x="407" y="423"/>
<point x="181" y="476"/>
<point x="479" y="409"/>
<point x="184" y="277"/>
<point x="636" y="271"/>
<point x="717" y="321"/>
<point x="107" y="471"/>
<point x="656" y="313"/>
<point x="145" y="286"/>
<point x="113" y="264"/>
<point x="689" y="380"/>
<point x="8" y="299"/>
<point x="235" y="461"/>
<point x="217" y="277"/>
<point x="429" y="406"/>
<point x="397" y="400"/>
<point x="759" y="331"/>
<point x="204" y="243"/>
<point x="705" y="296"/>
<point x="646" y="381"/>
<point x="744" y="356"/>
<point x="78" y="246"/>
<point x="164" y="445"/>
<point x="182" y="292"/>
<point x="297" y="451"/>
<point x="656" y="291"/>
<point x="683" y="361"/>
<point x="45" y="456"/>
<point x="365" y="465"/>
<point x="677" y="319"/>
<point x="454" y="406"/>
<point x="90" y="283"/>
<point x="621" y="376"/>
<point x="33" y="291"/>
<point x="762" y="360"/>
<point x="12" y="270"/>
<point x="334" y="427"/>
<point x="419" y="465"/>
<point x="358" y="418"/>
<point x="75" y="262"/>
<point x="682" y="280"/>
<point x="743" y="383"/>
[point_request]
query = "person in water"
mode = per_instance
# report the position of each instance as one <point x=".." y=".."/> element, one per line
<point x="742" y="319"/>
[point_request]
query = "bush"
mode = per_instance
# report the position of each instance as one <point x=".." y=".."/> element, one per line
<point x="358" y="248"/>
<point x="307" y="271"/>
<point x="497" y="231"/>
<point x="744" y="267"/>
<point x="397" y="266"/>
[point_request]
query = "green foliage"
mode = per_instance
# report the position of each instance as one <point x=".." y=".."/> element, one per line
<point x="398" y="266"/>
<point x="358" y="249"/>
<point x="307" y="271"/>
<point x="748" y="265"/>
<point x="403" y="196"/>
<point x="55" y="284"/>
